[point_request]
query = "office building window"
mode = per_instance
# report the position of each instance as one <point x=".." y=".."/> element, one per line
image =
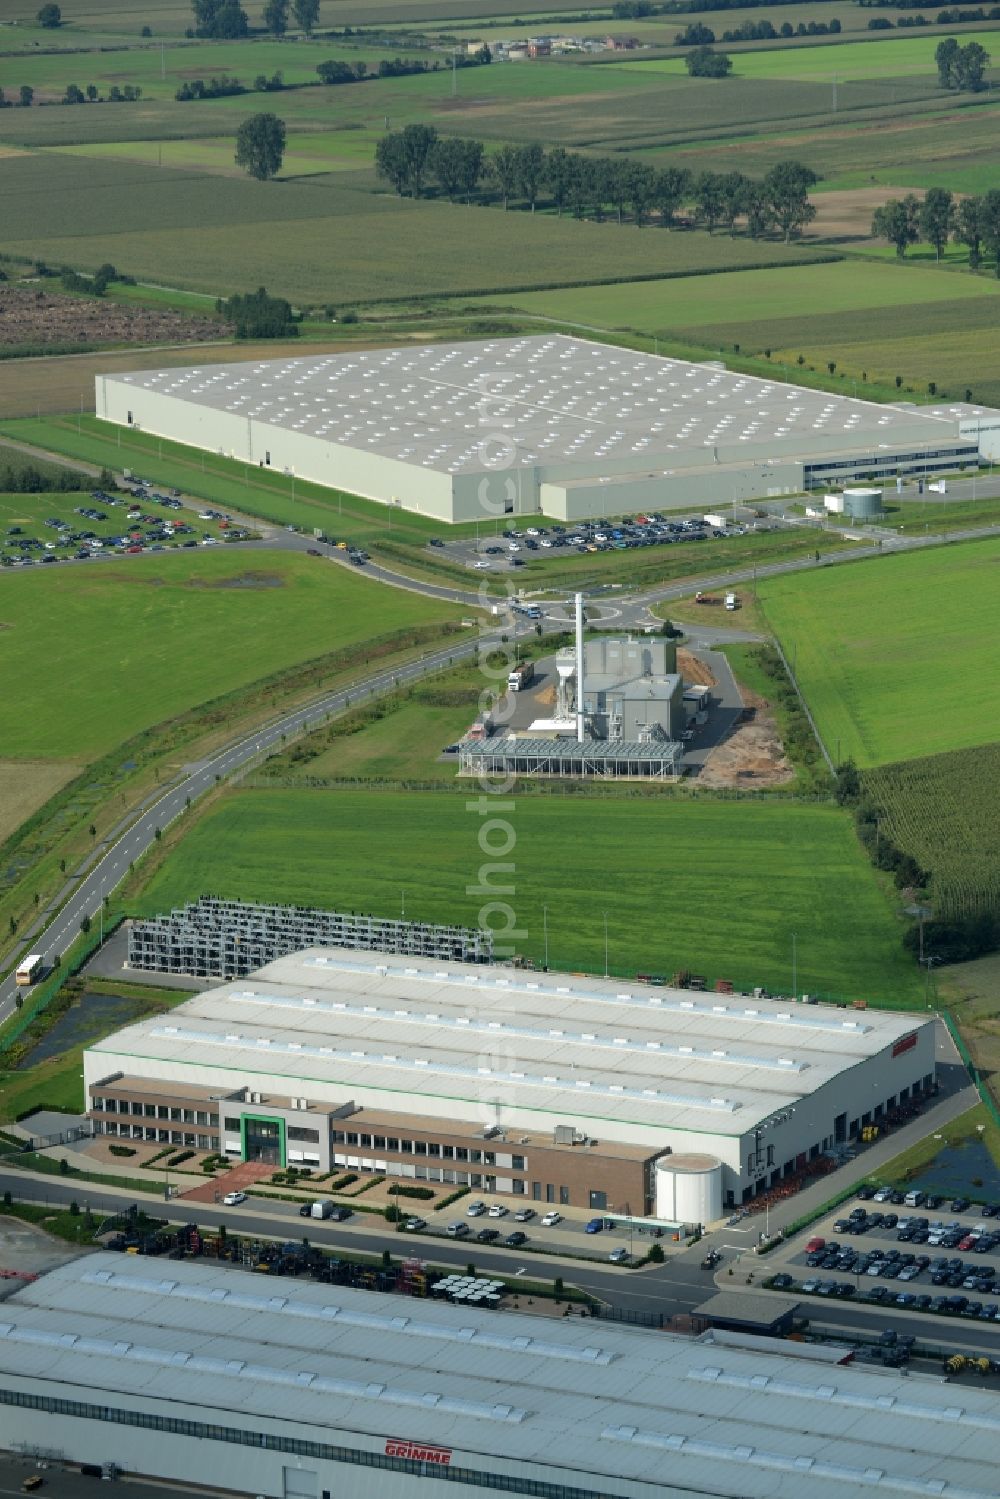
<point x="517" y="1162"/>
<point x="232" y="1124"/>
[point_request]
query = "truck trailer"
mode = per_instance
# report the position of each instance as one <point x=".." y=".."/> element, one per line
<point x="520" y="676"/>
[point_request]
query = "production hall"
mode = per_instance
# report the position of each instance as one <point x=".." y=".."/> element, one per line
<point x="552" y="1088"/>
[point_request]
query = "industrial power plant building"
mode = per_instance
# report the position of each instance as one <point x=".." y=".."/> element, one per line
<point x="198" y="1375"/>
<point x="552" y="424"/>
<point x="553" y="1088"/>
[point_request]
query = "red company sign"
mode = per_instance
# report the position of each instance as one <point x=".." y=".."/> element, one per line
<point x="417" y="1451"/>
<point x="906" y="1044"/>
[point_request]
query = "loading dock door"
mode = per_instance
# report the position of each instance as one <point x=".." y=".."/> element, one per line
<point x="300" y="1483"/>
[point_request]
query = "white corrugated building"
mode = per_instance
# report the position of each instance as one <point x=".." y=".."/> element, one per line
<point x="548" y="423"/>
<point x="335" y="1045"/>
<point x="206" y="1377"/>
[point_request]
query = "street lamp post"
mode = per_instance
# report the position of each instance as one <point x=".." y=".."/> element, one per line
<point x="795" y="966"/>
<point x="605" y="944"/>
<point x="545" y="935"/>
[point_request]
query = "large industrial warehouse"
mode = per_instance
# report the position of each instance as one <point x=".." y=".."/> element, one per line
<point x="555" y="1088"/>
<point x="200" y="1376"/>
<point x="550" y="424"/>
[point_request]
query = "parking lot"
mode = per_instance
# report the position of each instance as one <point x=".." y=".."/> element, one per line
<point x="939" y="1257"/>
<point x="593" y="1236"/>
<point x="515" y="547"/>
<point x="72" y="527"/>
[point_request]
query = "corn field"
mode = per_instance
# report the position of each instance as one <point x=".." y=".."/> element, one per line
<point x="945" y="811"/>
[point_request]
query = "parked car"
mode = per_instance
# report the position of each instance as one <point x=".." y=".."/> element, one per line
<point x="524" y="1215"/>
<point x="497" y="1210"/>
<point x="487" y="1235"/>
<point x="458" y="1230"/>
<point x="551" y="1219"/>
<point x="516" y="1239"/>
<point x="619" y="1256"/>
<point x="233" y="1199"/>
<point x="414" y="1225"/>
<point x="595" y="1226"/>
<point x="475" y="1210"/>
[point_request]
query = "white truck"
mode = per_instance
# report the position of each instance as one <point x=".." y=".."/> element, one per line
<point x="732" y="602"/>
<point x="521" y="676"/>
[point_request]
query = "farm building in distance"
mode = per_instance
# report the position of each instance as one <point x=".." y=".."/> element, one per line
<point x="551" y="1087"/>
<point x="551" y="424"/>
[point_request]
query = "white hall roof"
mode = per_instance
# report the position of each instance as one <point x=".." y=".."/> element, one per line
<point x="591" y="1049"/>
<point x="622" y="1410"/>
<point x="548" y="401"/>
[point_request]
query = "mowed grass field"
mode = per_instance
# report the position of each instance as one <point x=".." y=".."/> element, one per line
<point x="772" y="297"/>
<point x="887" y="56"/>
<point x="897" y="657"/>
<point x="90" y="655"/>
<point x="717" y="887"/>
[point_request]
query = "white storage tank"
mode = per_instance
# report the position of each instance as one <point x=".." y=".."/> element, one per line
<point x="689" y="1188"/>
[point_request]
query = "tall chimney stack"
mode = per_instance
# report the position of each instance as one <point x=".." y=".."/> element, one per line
<point x="579" y="669"/>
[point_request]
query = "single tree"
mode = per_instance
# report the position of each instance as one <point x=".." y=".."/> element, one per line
<point x="306" y="13"/>
<point x="530" y="173"/>
<point x="970" y="67"/>
<point x="74" y="94"/>
<point x="417" y="141"/>
<point x="224" y="20"/>
<point x="27" y="95"/>
<point x="92" y="92"/>
<point x="787" y="188"/>
<point x="503" y="169"/>
<point x="641" y="190"/>
<point x="708" y="198"/>
<point x="989" y="222"/>
<point x="968" y="230"/>
<point x="937" y="218"/>
<point x="618" y="184"/>
<point x="447" y="163"/>
<point x="759" y="212"/>
<point x="472" y="167"/>
<point x="896" y="221"/>
<point x="705" y="62"/>
<point x="49" y="16"/>
<point x="260" y="146"/>
<point x="671" y="188"/>
<point x="391" y="161"/>
<point x="276" y="16"/>
<point x="946" y="56"/>
<point x="558" y="170"/>
<point x="733" y="191"/>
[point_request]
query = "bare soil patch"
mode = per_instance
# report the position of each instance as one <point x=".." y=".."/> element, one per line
<point x="693" y="670"/>
<point x="753" y="755"/>
<point x="848" y="214"/>
<point x="35" y="316"/>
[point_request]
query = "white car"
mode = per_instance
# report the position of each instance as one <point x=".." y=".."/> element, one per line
<point x="475" y="1210"/>
<point x="533" y="531"/>
<point x="233" y="1199"/>
<point x="882" y="1195"/>
<point x="481" y="566"/>
<point x="498" y="1210"/>
<point x="546" y="543"/>
<point x="512" y="546"/>
<point x="551" y="1219"/>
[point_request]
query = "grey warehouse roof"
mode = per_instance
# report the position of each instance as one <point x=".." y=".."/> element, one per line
<point x="545" y="400"/>
<point x="591" y="1048"/>
<point x="619" y="1408"/>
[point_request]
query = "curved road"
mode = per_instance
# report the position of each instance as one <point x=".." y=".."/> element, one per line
<point x="136" y="834"/>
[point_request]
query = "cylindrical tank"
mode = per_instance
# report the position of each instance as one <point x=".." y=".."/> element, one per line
<point x="689" y="1188"/>
<point x="863" y="504"/>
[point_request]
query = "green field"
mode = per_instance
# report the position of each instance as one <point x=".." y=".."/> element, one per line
<point x="103" y="651"/>
<point x="718" y="887"/>
<point x="896" y="657"/>
<point x="770" y="298"/>
<point x="885" y="57"/>
<point x="217" y="234"/>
